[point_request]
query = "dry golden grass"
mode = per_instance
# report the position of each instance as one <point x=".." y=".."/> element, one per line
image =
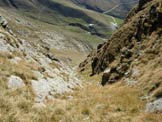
<point x="146" y="117"/>
<point x="105" y="103"/>
<point x="93" y="103"/>
<point x="13" y="104"/>
<point x="22" y="69"/>
<point x="74" y="57"/>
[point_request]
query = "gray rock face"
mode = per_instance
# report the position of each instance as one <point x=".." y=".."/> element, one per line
<point x="15" y="82"/>
<point x="131" y="82"/>
<point x="3" y="22"/>
<point x="47" y="88"/>
<point x="135" y="72"/>
<point x="155" y="106"/>
<point x="52" y="80"/>
<point x="5" y="47"/>
<point x="15" y="60"/>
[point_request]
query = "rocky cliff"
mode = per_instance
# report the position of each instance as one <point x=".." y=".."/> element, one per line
<point x="133" y="54"/>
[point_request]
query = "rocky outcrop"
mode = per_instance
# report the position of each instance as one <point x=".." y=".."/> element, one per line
<point x="133" y="54"/>
<point x="3" y="22"/>
<point x="15" y="82"/>
<point x="34" y="67"/>
<point x="123" y="47"/>
<point x="155" y="106"/>
<point x="49" y="88"/>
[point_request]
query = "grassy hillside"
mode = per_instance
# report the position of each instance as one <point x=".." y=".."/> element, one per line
<point x="43" y="51"/>
<point x="61" y="13"/>
<point x="120" y="8"/>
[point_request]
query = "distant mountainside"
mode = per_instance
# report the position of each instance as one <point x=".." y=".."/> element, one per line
<point x="63" y="13"/>
<point x="116" y="8"/>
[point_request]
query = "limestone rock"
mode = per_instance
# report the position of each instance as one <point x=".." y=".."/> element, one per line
<point x="3" y="22"/>
<point x="131" y="82"/>
<point x="16" y="60"/>
<point x="45" y="87"/>
<point x="3" y="47"/>
<point x="15" y="82"/>
<point x="135" y="72"/>
<point x="155" y="106"/>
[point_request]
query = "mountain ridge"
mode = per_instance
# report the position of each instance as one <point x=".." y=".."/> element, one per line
<point x="119" y="8"/>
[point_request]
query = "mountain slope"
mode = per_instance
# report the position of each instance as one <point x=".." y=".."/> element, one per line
<point x="116" y="8"/>
<point x="40" y="47"/>
<point x="62" y="13"/>
<point x="38" y="59"/>
<point x="133" y="54"/>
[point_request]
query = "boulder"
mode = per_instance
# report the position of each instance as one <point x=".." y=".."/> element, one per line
<point x="110" y="76"/>
<point x="105" y="78"/>
<point x="48" y="88"/>
<point x="155" y="106"/>
<point x="131" y="82"/>
<point x="3" y="47"/>
<point x="3" y="22"/>
<point x="15" y="82"/>
<point x="16" y="60"/>
<point x="135" y="72"/>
